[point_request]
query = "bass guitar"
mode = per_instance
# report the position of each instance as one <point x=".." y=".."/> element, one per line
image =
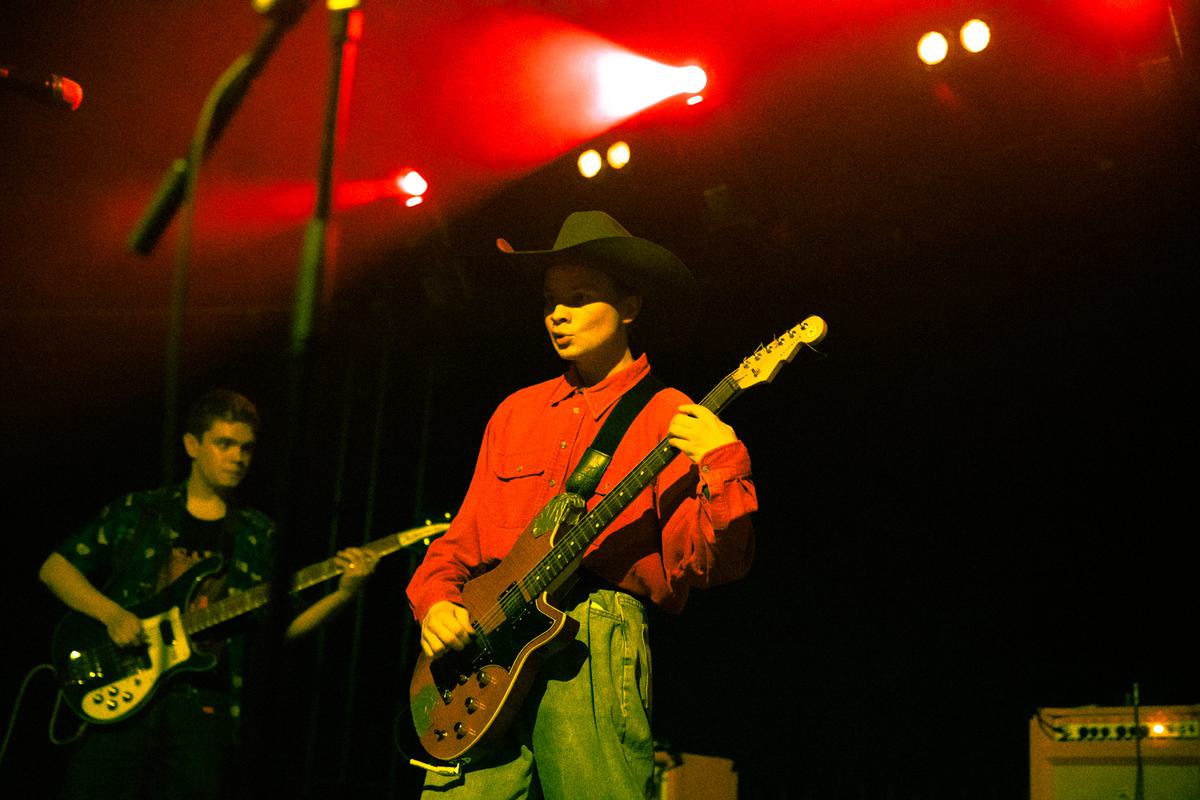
<point x="104" y="683"/>
<point x="463" y="699"/>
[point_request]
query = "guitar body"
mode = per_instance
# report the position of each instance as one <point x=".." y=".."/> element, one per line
<point x="104" y="683"/>
<point x="460" y="697"/>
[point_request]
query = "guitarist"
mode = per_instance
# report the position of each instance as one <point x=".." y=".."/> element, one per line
<point x="178" y="746"/>
<point x="585" y="726"/>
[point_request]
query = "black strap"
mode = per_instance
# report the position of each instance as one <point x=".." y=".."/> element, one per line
<point x="594" y="462"/>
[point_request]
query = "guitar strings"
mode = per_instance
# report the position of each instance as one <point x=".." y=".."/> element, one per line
<point x="721" y="395"/>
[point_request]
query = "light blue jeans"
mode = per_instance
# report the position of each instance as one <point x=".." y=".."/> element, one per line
<point x="584" y="729"/>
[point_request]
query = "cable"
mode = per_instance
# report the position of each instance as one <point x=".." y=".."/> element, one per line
<point x="1138" y="785"/>
<point x="17" y="707"/>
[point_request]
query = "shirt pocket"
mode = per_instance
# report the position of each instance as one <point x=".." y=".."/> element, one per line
<point x="520" y="487"/>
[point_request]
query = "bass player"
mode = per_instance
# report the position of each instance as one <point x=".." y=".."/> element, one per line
<point x="179" y="745"/>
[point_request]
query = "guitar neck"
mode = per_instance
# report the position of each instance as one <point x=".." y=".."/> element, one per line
<point x="235" y="605"/>
<point x="566" y="553"/>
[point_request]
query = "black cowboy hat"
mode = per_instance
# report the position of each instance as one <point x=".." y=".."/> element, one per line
<point x="594" y="239"/>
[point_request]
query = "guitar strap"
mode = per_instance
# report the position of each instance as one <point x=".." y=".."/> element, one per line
<point x="594" y="462"/>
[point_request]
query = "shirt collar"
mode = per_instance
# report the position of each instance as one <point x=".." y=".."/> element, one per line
<point x="601" y="397"/>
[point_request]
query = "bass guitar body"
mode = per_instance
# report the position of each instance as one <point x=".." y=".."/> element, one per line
<point x="104" y="683"/>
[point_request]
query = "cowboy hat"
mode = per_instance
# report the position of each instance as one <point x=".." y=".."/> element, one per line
<point x="594" y="239"/>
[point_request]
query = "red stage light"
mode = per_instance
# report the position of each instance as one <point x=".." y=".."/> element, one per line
<point x="627" y="84"/>
<point x="411" y="183"/>
<point x="534" y="87"/>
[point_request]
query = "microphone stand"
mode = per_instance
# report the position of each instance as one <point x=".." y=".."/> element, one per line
<point x="296" y="444"/>
<point x="178" y="188"/>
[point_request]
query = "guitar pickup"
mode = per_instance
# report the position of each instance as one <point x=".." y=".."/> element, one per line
<point x="166" y="632"/>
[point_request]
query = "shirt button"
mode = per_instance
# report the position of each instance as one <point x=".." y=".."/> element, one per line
<point x="575" y="410"/>
<point x="562" y="445"/>
<point x="704" y="468"/>
<point x="553" y="482"/>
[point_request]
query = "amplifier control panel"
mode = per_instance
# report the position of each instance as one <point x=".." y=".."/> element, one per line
<point x="1121" y="730"/>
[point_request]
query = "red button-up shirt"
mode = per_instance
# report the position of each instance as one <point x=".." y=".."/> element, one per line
<point x="690" y="527"/>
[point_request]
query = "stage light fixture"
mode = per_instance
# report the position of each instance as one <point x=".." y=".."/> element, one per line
<point x="590" y="163"/>
<point x="627" y="84"/>
<point x="933" y="48"/>
<point x="411" y="183"/>
<point x="618" y="155"/>
<point x="975" y="35"/>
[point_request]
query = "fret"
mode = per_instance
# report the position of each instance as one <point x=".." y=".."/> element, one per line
<point x="229" y="607"/>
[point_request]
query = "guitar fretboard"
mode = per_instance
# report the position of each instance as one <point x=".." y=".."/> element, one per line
<point x="567" y="552"/>
<point x="240" y="603"/>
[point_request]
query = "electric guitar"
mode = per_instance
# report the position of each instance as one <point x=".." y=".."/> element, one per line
<point x="463" y="699"/>
<point x="104" y="683"/>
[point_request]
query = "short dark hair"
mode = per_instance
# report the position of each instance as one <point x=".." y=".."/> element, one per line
<point x="220" y="404"/>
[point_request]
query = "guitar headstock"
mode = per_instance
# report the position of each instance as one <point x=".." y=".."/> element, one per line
<point x="762" y="365"/>
<point x="425" y="533"/>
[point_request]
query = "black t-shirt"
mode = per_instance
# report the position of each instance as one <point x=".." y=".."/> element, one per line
<point x="202" y="537"/>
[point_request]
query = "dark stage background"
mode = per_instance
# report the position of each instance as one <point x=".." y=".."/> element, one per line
<point x="973" y="506"/>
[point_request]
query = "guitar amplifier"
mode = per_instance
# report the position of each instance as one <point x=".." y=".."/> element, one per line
<point x="686" y="776"/>
<point x="1093" y="753"/>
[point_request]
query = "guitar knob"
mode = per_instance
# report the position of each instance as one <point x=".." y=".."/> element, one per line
<point x="113" y="691"/>
<point x="462" y="679"/>
<point x="460" y="730"/>
<point x="472" y="705"/>
<point x="127" y="696"/>
<point x="439" y="733"/>
<point x="483" y="678"/>
<point x="447" y="696"/>
<point x="111" y="705"/>
<point x="97" y="698"/>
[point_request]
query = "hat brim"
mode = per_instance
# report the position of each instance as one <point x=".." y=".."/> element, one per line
<point x="668" y="290"/>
